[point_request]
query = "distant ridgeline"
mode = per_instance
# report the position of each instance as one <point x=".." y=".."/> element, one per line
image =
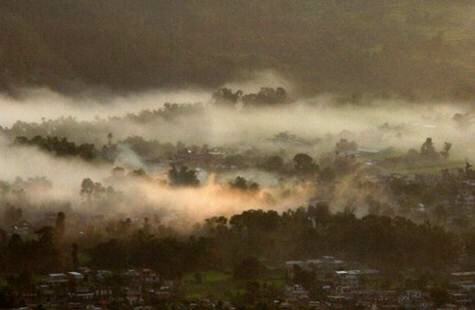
<point x="396" y="48"/>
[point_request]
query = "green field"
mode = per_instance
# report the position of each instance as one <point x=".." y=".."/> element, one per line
<point x="222" y="285"/>
<point x="427" y="168"/>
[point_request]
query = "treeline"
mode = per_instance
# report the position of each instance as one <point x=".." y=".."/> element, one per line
<point x="97" y="131"/>
<point x="168" y="112"/>
<point x="266" y="96"/>
<point x="267" y="238"/>
<point x="392" y="244"/>
<point x="300" y="164"/>
<point x="169" y="117"/>
<point x="60" y="146"/>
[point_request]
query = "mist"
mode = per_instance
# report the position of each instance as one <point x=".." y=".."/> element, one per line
<point x="374" y="124"/>
<point x="312" y="124"/>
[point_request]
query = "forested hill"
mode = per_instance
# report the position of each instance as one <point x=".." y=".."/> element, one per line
<point x="405" y="48"/>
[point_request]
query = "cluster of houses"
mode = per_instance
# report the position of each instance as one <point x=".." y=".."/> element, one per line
<point x="342" y="287"/>
<point x="196" y="156"/>
<point x="456" y="201"/>
<point x="99" y="289"/>
<point x="337" y="285"/>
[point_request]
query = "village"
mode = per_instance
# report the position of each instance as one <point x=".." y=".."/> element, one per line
<point x="337" y="285"/>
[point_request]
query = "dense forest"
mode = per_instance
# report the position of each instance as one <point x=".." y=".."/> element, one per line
<point x="219" y="243"/>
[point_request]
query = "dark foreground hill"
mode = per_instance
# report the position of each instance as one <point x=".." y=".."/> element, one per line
<point x="404" y="48"/>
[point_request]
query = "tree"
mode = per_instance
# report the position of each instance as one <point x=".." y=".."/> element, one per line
<point x="60" y="225"/>
<point x="252" y="293"/>
<point x="74" y="256"/>
<point x="183" y="176"/>
<point x="109" y="254"/>
<point x="87" y="187"/>
<point x="240" y="183"/>
<point x="273" y="163"/>
<point x="256" y="221"/>
<point x="12" y="215"/>
<point x="226" y="96"/>
<point x="266" y="96"/>
<point x="439" y="295"/>
<point x="47" y="254"/>
<point x="216" y="225"/>
<point x="46" y="236"/>
<point x="440" y="213"/>
<point x="344" y="146"/>
<point x="428" y="149"/>
<point x="90" y="188"/>
<point x="304" y="164"/>
<point x="109" y="138"/>
<point x="248" y="268"/>
<point x="60" y="146"/>
<point x="304" y="278"/>
<point x="320" y="212"/>
<point x="15" y="251"/>
<point x="446" y="150"/>
<point x="146" y="225"/>
<point x="9" y="299"/>
<point x="198" y="276"/>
